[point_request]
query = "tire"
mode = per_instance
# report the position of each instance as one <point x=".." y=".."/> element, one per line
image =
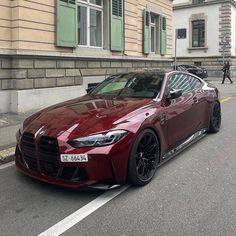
<point x="143" y="158"/>
<point x="215" y="117"/>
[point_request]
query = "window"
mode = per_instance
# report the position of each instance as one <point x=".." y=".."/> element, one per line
<point x="184" y="82"/>
<point x="198" y="63"/>
<point x="198" y="1"/>
<point x="198" y="33"/>
<point x="179" y="81"/>
<point x="193" y="82"/>
<point x="142" y="85"/>
<point x="154" y="33"/>
<point x="90" y="23"/>
<point x="153" y="25"/>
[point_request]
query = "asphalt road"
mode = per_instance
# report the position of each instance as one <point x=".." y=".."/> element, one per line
<point x="193" y="194"/>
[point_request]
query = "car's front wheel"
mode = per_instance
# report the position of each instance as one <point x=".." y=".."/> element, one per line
<point x="215" y="117"/>
<point x="144" y="157"/>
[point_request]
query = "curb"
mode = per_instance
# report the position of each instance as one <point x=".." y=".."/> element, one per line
<point x="7" y="155"/>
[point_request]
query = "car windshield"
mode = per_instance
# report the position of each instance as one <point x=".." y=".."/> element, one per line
<point x="140" y="85"/>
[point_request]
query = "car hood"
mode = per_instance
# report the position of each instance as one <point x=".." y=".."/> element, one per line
<point x="85" y="115"/>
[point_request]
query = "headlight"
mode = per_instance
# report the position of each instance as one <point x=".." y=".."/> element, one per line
<point x="98" y="140"/>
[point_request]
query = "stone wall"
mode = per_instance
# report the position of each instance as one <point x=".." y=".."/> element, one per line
<point x="225" y="27"/>
<point x="28" y="84"/>
<point x="34" y="73"/>
<point x="212" y="64"/>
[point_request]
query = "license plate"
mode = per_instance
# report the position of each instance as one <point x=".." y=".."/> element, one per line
<point x="74" y="157"/>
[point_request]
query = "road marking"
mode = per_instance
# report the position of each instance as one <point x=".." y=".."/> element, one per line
<point x="225" y="99"/>
<point x="3" y="121"/>
<point x="7" y="165"/>
<point x="83" y="212"/>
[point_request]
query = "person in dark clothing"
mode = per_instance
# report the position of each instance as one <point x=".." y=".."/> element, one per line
<point x="226" y="72"/>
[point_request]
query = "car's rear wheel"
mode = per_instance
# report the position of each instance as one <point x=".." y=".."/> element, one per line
<point x="215" y="117"/>
<point x="144" y="157"/>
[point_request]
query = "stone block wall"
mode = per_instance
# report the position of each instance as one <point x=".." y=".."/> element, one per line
<point x="212" y="64"/>
<point x="20" y="73"/>
<point x="225" y="33"/>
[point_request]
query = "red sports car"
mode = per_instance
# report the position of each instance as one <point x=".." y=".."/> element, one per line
<point x="122" y="130"/>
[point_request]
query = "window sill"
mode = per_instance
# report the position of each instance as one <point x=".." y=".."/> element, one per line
<point x="198" y="48"/>
<point x="91" y="51"/>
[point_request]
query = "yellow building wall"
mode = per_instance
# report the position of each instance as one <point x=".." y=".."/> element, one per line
<point x="134" y="24"/>
<point x="33" y="24"/>
<point x="5" y="24"/>
<point x="30" y="25"/>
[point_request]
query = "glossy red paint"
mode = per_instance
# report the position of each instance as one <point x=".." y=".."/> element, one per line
<point x="171" y="120"/>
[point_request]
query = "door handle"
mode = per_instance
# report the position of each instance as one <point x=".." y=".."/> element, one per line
<point x="195" y="100"/>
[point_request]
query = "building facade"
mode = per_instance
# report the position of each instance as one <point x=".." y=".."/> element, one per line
<point x="210" y="27"/>
<point x="52" y="50"/>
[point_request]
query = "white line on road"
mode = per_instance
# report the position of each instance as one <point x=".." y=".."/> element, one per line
<point x="83" y="212"/>
<point x="7" y="165"/>
<point x="3" y="121"/>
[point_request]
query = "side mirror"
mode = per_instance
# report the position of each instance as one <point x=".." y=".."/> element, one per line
<point x="91" y="86"/>
<point x="90" y="89"/>
<point x="175" y="93"/>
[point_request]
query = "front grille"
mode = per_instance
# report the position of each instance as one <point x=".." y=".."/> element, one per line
<point x="47" y="153"/>
<point x="28" y="150"/>
<point x="49" y="156"/>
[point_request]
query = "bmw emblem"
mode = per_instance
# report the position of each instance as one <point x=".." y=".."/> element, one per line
<point x="50" y="142"/>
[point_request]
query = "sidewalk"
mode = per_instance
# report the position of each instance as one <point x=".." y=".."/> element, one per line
<point x="225" y="89"/>
<point x="10" y="123"/>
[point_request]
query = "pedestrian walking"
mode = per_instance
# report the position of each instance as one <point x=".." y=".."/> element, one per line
<point x="226" y="72"/>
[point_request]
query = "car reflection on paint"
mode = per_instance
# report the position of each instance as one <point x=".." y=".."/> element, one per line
<point x="193" y="69"/>
<point x="121" y="131"/>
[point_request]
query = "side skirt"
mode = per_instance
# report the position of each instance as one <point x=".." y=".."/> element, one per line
<point x="166" y="157"/>
<point x="185" y="144"/>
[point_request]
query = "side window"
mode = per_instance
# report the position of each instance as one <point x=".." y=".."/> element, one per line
<point x="179" y="81"/>
<point x="194" y="82"/>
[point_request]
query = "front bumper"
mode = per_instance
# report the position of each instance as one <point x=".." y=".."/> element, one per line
<point x="105" y="165"/>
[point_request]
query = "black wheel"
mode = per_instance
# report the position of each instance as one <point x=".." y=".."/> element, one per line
<point x="215" y="117"/>
<point x="144" y="157"/>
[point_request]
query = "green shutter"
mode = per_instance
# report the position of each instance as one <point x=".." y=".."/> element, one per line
<point x="66" y="23"/>
<point x="117" y="28"/>
<point x="146" y="32"/>
<point x="163" y="35"/>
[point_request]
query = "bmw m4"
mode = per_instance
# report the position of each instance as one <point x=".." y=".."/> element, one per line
<point x="121" y="131"/>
